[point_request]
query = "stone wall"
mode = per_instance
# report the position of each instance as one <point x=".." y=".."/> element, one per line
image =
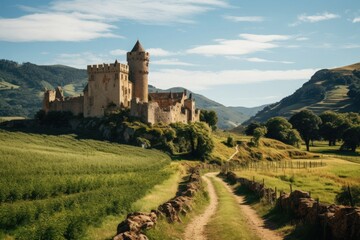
<point x="337" y="222"/>
<point x="132" y="228"/>
<point x="74" y="105"/>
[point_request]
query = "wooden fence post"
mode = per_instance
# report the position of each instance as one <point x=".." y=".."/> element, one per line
<point x="350" y="197"/>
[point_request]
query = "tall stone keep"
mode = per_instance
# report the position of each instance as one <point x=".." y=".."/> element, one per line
<point x="138" y="61"/>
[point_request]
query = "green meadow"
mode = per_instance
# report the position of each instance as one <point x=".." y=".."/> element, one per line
<point x="57" y="186"/>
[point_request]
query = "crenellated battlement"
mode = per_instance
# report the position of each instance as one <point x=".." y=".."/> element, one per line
<point x="140" y="56"/>
<point x="107" y="68"/>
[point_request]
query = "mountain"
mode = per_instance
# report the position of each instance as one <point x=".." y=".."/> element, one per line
<point x="229" y="117"/>
<point x="22" y="86"/>
<point x="335" y="89"/>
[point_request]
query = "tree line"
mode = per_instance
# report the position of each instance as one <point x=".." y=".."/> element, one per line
<point x="307" y="126"/>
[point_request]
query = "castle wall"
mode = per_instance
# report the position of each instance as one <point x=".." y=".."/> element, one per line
<point x="108" y="84"/>
<point x="74" y="105"/>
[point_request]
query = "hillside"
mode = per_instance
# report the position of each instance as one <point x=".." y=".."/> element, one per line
<point x="229" y="117"/>
<point x="328" y="89"/>
<point x="21" y="85"/>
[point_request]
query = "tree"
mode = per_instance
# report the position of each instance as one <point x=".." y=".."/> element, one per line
<point x="332" y="126"/>
<point x="249" y="131"/>
<point x="201" y="141"/>
<point x="307" y="123"/>
<point x="259" y="132"/>
<point x="294" y="138"/>
<point x="351" y="138"/>
<point x="278" y="128"/>
<point x="230" y="141"/>
<point x="210" y="117"/>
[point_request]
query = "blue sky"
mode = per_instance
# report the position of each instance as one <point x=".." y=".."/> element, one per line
<point x="239" y="53"/>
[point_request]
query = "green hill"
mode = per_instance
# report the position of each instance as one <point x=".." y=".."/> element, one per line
<point x="328" y="89"/>
<point x="21" y="85"/>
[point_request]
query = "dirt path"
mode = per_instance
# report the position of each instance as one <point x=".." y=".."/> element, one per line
<point x="195" y="229"/>
<point x="256" y="223"/>
<point x="236" y="151"/>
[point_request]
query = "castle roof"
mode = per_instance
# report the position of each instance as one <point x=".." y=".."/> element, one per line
<point x="138" y="47"/>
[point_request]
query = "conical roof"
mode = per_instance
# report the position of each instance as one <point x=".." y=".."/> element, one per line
<point x="138" y="47"/>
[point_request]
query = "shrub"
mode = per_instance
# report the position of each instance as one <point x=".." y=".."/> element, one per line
<point x="344" y="198"/>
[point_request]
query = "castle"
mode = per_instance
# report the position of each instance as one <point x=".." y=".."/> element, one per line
<point x="124" y="86"/>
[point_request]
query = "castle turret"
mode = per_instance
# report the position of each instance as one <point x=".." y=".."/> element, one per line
<point x="138" y="61"/>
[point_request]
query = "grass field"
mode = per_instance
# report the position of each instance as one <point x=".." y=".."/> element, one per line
<point x="323" y="147"/>
<point x="221" y="150"/>
<point x="323" y="182"/>
<point x="55" y="187"/>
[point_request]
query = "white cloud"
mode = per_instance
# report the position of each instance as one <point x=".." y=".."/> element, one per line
<point x="52" y="27"/>
<point x="171" y="62"/>
<point x="118" y="52"/>
<point x="144" y="11"/>
<point x="264" y="38"/>
<point x="159" y="52"/>
<point x="261" y="60"/>
<point x="249" y="43"/>
<point x="318" y="17"/>
<point x="245" y="18"/>
<point x="351" y="46"/>
<point x="81" y="60"/>
<point x="302" y="39"/>
<point x="356" y="20"/>
<point x="80" y="20"/>
<point x="199" y="80"/>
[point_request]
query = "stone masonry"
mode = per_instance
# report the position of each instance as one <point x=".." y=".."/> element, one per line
<point x="124" y="86"/>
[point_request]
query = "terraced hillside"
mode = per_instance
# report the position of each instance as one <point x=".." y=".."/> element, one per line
<point x="335" y="89"/>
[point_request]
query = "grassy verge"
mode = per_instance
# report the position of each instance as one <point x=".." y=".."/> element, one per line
<point x="228" y="222"/>
<point x="323" y="182"/>
<point x="175" y="231"/>
<point x="280" y="222"/>
<point x="157" y="195"/>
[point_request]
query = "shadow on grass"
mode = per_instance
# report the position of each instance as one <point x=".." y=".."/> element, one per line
<point x="275" y="219"/>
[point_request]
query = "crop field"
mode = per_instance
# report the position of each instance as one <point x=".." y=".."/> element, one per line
<point x="55" y="187"/>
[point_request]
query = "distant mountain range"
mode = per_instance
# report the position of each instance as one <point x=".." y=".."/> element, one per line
<point x="22" y="86"/>
<point x="328" y="89"/>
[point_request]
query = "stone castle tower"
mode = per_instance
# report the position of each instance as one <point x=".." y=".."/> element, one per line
<point x="138" y="61"/>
